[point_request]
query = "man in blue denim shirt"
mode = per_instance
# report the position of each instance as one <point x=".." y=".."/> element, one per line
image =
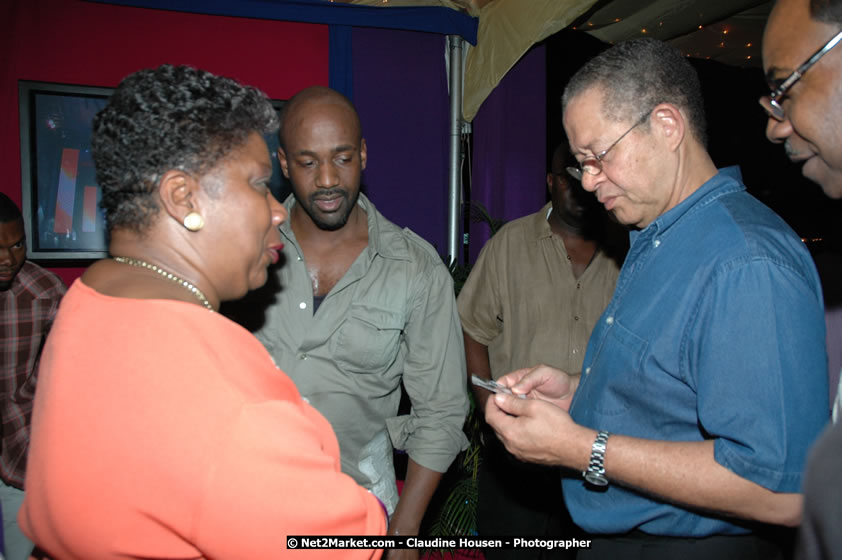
<point x="707" y="369"/>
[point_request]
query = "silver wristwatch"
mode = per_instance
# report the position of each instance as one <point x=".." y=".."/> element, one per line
<point x="596" y="466"/>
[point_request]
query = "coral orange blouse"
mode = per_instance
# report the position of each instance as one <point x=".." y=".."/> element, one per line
<point x="161" y="429"/>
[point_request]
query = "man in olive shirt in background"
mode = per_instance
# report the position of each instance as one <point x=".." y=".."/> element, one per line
<point x="533" y="296"/>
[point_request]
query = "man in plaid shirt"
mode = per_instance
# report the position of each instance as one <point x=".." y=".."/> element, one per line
<point x="29" y="298"/>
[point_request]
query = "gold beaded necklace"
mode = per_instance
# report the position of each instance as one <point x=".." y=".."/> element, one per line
<point x="169" y="276"/>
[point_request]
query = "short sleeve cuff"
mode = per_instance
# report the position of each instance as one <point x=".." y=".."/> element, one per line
<point x="733" y="457"/>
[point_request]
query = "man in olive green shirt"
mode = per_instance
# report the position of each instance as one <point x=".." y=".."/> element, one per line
<point x="363" y="306"/>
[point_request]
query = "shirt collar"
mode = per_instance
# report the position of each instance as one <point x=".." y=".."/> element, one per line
<point x="542" y="223"/>
<point x="386" y="242"/>
<point x="727" y="180"/>
<point x="23" y="281"/>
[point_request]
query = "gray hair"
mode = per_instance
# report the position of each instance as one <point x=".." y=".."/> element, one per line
<point x="636" y="76"/>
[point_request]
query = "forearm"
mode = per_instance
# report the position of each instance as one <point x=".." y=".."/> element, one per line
<point x="684" y="473"/>
<point x="476" y="358"/>
<point x="687" y="473"/>
<point x="418" y="489"/>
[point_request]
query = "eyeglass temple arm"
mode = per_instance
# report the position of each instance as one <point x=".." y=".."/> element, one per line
<point x="803" y="68"/>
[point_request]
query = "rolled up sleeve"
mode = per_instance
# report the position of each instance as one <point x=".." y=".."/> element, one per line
<point x="762" y="374"/>
<point x="434" y="376"/>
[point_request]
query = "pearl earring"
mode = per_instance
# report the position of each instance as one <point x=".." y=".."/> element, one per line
<point x="193" y="221"/>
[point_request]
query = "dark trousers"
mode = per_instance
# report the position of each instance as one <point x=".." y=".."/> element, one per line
<point x="522" y="500"/>
<point x="640" y="546"/>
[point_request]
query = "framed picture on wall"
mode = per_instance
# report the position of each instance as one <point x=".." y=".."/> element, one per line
<point x="62" y="218"/>
<point x="60" y="198"/>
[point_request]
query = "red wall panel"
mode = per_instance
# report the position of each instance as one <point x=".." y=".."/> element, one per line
<point x="72" y="41"/>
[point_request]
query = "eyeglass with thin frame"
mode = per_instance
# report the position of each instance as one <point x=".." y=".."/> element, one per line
<point x="593" y="165"/>
<point x="771" y="102"/>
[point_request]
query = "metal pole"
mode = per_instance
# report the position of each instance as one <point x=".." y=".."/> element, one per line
<point x="455" y="175"/>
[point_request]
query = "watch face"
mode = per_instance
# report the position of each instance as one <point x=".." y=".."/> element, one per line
<point x="596" y="479"/>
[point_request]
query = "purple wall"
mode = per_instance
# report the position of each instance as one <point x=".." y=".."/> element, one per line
<point x="400" y="90"/>
<point x="510" y="137"/>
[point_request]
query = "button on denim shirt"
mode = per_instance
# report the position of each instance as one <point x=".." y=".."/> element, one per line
<point x="715" y="331"/>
